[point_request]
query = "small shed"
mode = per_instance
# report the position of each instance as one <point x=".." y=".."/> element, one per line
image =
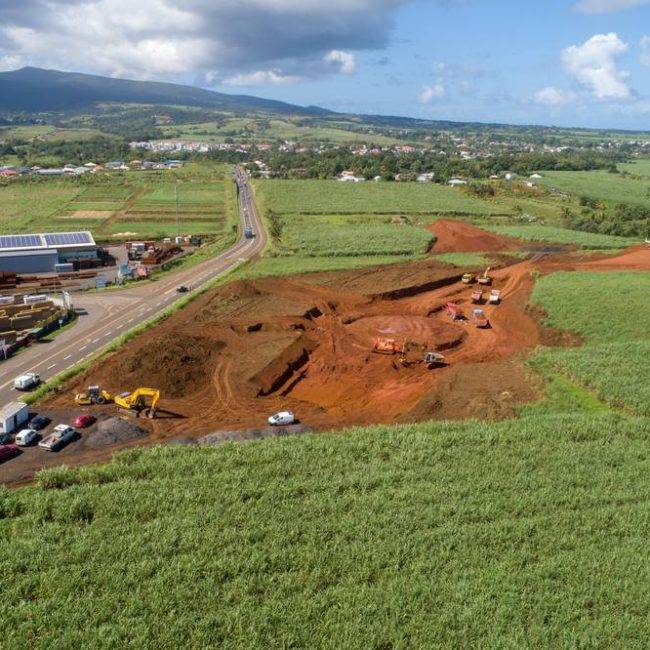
<point x="12" y="416"/>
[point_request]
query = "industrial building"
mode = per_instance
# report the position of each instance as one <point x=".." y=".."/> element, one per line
<point x="40" y="253"/>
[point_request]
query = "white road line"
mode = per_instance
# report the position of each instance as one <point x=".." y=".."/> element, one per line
<point x="95" y="341"/>
<point x="52" y="366"/>
<point x="68" y="357"/>
<point x="130" y="320"/>
<point x="83" y="348"/>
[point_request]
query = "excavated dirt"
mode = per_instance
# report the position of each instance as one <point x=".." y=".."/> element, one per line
<point x="460" y="237"/>
<point x="114" y="431"/>
<point x="246" y="350"/>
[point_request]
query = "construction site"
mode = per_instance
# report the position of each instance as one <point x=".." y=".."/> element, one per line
<point x="399" y="343"/>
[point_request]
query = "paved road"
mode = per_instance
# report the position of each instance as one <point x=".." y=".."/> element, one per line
<point x="110" y="314"/>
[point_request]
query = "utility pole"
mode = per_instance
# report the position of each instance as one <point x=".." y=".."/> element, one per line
<point x="178" y="222"/>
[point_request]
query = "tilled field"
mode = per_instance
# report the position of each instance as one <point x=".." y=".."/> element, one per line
<point x="245" y="350"/>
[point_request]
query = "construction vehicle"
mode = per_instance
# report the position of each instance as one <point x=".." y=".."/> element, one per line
<point x="477" y="296"/>
<point x="411" y="346"/>
<point x="135" y="403"/>
<point x="385" y="346"/>
<point x="93" y="395"/>
<point x="495" y="297"/>
<point x="468" y="278"/>
<point x="454" y="310"/>
<point x="433" y="359"/>
<point x="480" y="319"/>
<point x="485" y="278"/>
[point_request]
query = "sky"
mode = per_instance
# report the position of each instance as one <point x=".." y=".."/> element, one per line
<point x="555" y="62"/>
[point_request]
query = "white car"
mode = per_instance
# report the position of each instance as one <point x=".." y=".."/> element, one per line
<point x="26" y="437"/>
<point x="283" y="418"/>
<point x="62" y="434"/>
<point x="27" y="381"/>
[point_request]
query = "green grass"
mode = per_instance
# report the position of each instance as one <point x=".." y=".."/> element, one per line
<point x="553" y="235"/>
<point x="609" y="310"/>
<point x="520" y="534"/>
<point x="601" y="185"/>
<point x="332" y="197"/>
<point x="639" y="167"/>
<point x="463" y="259"/>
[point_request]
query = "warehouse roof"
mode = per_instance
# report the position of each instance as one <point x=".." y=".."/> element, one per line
<point x="9" y="410"/>
<point x="44" y="241"/>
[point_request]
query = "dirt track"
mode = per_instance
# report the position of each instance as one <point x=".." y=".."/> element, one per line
<point x="245" y="350"/>
<point x="460" y="237"/>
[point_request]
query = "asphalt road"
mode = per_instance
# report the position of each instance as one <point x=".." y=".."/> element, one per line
<point x="105" y="316"/>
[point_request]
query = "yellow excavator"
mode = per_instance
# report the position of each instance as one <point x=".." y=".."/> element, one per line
<point x="93" y="395"/>
<point x="135" y="403"/>
<point x="485" y="278"/>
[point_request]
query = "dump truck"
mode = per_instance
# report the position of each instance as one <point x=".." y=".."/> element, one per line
<point x="485" y="278"/>
<point x="93" y="395"/>
<point x="433" y="359"/>
<point x="135" y="403"/>
<point x="495" y="297"/>
<point x="477" y="296"/>
<point x="454" y="311"/>
<point x="468" y="278"/>
<point x="480" y="319"/>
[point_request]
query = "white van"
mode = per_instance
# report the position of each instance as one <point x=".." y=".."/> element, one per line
<point x="281" y="419"/>
<point x="26" y="437"/>
<point x="27" y="381"/>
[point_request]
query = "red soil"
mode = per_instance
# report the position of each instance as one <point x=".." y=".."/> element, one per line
<point x="248" y="349"/>
<point x="460" y="237"/>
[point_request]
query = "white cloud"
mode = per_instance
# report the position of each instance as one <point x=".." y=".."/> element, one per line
<point x="552" y="96"/>
<point x="171" y="38"/>
<point x="429" y="93"/>
<point x="345" y="61"/>
<point x="645" y="50"/>
<point x="593" y="65"/>
<point x="607" y="6"/>
<point x="260" y="77"/>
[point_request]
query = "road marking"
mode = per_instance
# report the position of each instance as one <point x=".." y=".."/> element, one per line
<point x="52" y="366"/>
<point x="108" y="333"/>
<point x="83" y="348"/>
<point x="68" y="357"/>
<point x="130" y="320"/>
<point x="95" y="341"/>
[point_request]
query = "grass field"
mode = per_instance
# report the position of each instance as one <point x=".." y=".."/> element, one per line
<point x="332" y="197"/>
<point x="639" y="167"/>
<point x="139" y="203"/>
<point x="49" y="133"/>
<point x="609" y="310"/>
<point x="553" y="235"/>
<point x="600" y="185"/>
<point x="520" y="534"/>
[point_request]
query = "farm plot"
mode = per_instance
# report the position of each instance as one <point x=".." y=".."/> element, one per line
<point x="639" y="167"/>
<point x="553" y="235"/>
<point x="332" y="197"/>
<point x="610" y="311"/>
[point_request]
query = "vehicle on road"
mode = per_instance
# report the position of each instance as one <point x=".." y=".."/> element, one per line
<point x="93" y="395"/>
<point x="26" y="437"/>
<point x="283" y="418"/>
<point x="249" y="233"/>
<point x="8" y="451"/>
<point x="28" y="381"/>
<point x="39" y="422"/>
<point x="61" y="436"/>
<point x="84" y="420"/>
<point x="182" y="289"/>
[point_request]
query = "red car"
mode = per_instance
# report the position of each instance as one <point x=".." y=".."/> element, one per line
<point x="84" y="420"/>
<point x="8" y="451"/>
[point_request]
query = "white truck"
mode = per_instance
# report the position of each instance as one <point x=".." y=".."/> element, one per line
<point x="282" y="419"/>
<point x="27" y="381"/>
<point x="62" y="435"/>
<point x="495" y="297"/>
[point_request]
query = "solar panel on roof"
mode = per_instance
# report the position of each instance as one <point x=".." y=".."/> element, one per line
<point x="20" y="241"/>
<point x="67" y="238"/>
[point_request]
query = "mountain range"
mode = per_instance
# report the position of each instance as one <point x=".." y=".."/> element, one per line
<point x="35" y="90"/>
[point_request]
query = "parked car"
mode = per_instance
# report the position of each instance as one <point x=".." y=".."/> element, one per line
<point x="283" y="418"/>
<point x="61" y="436"/>
<point x="6" y="438"/>
<point x="182" y="289"/>
<point x="8" y="451"/>
<point x="28" y="381"/>
<point x="84" y="420"/>
<point x="39" y="422"/>
<point x="26" y="437"/>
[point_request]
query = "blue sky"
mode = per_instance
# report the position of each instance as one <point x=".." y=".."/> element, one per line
<point x="563" y="62"/>
<point x="489" y="61"/>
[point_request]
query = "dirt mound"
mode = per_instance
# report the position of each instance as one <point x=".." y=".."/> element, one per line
<point x="460" y="237"/>
<point x="114" y="431"/>
<point x="168" y="362"/>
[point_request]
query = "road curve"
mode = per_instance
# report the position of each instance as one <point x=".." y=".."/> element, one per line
<point x="113" y="313"/>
